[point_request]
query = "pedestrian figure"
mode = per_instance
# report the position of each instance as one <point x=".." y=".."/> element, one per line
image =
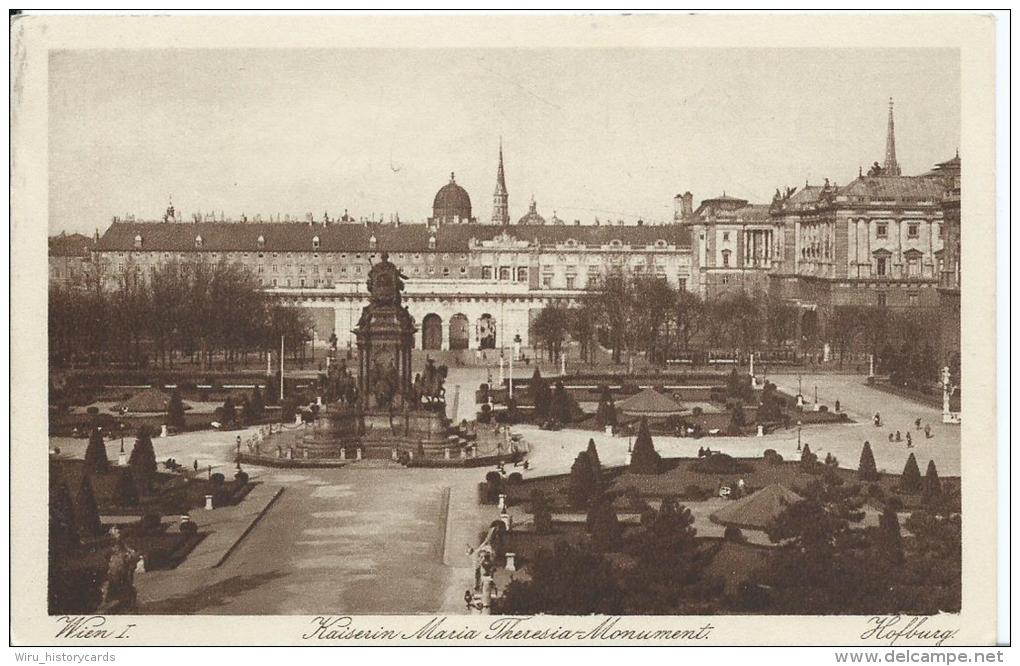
<point x="837" y="405"/>
<point x="196" y="464"/>
<point x="917" y="423"/>
<point x="892" y="437"/>
<point x="910" y="442"/>
<point x="927" y="431"/>
<point x="899" y="436"/>
<point x="878" y="419"/>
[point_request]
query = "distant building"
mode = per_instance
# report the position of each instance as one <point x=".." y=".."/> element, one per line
<point x="532" y="218"/>
<point x="882" y="239"/>
<point x="949" y="267"/>
<point x="500" y="198"/>
<point x="470" y="286"/>
<point x="70" y="260"/>
<point x="734" y="246"/>
<point x="452" y="205"/>
<point x="877" y="240"/>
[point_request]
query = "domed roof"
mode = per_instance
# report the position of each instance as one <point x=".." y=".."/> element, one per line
<point x="452" y="200"/>
<point x="532" y="216"/>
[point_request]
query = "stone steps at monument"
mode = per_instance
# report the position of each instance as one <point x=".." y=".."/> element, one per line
<point x="377" y="463"/>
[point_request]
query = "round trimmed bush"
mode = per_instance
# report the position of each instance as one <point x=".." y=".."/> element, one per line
<point x="515" y="478"/>
<point x="189" y="528"/>
<point x="720" y="463"/>
<point x="217" y="479"/>
<point x="241" y="477"/>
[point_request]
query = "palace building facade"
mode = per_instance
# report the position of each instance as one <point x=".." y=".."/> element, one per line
<point x="882" y="239"/>
<point x="469" y="286"/>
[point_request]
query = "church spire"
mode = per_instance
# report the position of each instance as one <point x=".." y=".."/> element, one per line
<point x="891" y="166"/>
<point x="500" y="198"/>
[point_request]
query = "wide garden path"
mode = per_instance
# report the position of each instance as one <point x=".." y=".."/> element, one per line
<point x="359" y="541"/>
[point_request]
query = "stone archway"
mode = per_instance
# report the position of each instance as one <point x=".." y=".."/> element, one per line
<point x="432" y="331"/>
<point x="486" y="328"/>
<point x="459" y="334"/>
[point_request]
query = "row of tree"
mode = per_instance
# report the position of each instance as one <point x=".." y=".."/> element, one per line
<point x="646" y="314"/>
<point x="194" y="311"/>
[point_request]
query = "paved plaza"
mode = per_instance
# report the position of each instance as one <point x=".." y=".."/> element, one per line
<point x="377" y="539"/>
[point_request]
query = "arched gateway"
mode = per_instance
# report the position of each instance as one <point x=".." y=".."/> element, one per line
<point x="459" y="332"/>
<point x="432" y="331"/>
<point x="486" y="332"/>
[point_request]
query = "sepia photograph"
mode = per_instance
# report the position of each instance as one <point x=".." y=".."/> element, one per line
<point x="510" y="329"/>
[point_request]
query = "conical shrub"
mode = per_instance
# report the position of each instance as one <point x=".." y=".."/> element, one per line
<point x="866" y="469"/>
<point x="645" y="459"/>
<point x="910" y="480"/>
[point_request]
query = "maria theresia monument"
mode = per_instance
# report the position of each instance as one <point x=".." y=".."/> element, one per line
<point x="383" y="412"/>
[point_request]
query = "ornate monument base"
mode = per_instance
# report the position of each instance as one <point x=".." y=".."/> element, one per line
<point x="339" y="432"/>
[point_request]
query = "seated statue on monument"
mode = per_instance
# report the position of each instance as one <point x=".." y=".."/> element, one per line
<point x="385" y="282"/>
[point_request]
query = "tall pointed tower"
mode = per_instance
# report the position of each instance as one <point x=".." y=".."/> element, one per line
<point x="500" y="198"/>
<point x="891" y="166"/>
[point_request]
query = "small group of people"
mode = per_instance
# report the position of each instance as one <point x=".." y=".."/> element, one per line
<point x="897" y="436"/>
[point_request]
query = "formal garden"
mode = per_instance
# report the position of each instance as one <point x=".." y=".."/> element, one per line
<point x="716" y="534"/>
<point x="96" y="505"/>
<point x="695" y="405"/>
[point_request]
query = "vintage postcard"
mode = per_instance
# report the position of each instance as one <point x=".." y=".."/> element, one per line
<point x="503" y="330"/>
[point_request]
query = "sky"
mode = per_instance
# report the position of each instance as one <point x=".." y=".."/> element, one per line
<point x="608" y="133"/>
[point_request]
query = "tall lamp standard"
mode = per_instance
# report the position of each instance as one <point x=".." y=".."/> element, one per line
<point x="799" y="423"/>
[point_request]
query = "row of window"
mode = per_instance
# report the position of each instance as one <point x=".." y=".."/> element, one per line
<point x="505" y="273"/>
<point x="882" y="300"/>
<point x="882" y="230"/>
<point x="882" y="266"/>
<point x="445" y="256"/>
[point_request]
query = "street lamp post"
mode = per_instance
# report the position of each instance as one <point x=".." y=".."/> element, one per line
<point x="799" y="423"/>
